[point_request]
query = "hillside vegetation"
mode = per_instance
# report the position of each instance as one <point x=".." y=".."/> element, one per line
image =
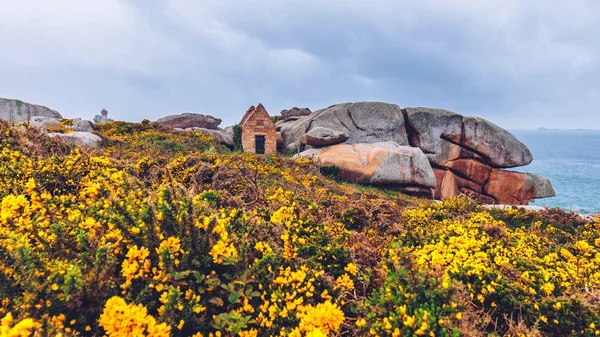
<point x="167" y="234"/>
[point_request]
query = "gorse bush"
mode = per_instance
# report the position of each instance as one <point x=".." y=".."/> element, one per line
<point x="159" y="234"/>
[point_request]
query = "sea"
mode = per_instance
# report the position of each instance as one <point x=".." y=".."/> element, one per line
<point x="571" y="161"/>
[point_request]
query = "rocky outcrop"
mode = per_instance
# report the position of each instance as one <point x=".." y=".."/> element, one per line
<point x="82" y="125"/>
<point x="45" y="122"/>
<point x="85" y="139"/>
<point x="294" y="113"/>
<point x="222" y="136"/>
<point x="190" y="120"/>
<point x="363" y="122"/>
<point x="49" y="123"/>
<point x="384" y="163"/>
<point x="445" y="136"/>
<point x="467" y="154"/>
<point x="320" y="136"/>
<point x="17" y="111"/>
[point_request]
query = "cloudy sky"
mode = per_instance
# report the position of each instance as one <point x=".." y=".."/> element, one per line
<point x="521" y="64"/>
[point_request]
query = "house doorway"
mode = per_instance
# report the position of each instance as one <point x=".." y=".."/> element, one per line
<point x="260" y="144"/>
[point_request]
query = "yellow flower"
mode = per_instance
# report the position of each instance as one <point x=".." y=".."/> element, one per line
<point x="351" y="268"/>
<point x="345" y="282"/>
<point x="547" y="288"/>
<point x="325" y="317"/>
<point x="25" y="327"/>
<point x="248" y="333"/>
<point x="120" y="319"/>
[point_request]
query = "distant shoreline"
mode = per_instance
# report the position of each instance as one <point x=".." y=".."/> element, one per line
<point x="578" y="130"/>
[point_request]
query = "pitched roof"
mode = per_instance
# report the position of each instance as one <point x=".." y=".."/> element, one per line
<point x="252" y="111"/>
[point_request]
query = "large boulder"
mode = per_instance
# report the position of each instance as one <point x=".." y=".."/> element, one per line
<point x="49" y="123"/>
<point x="433" y="130"/>
<point x="222" y="136"/>
<point x="84" y="139"/>
<point x="468" y="154"/>
<point x="294" y="113"/>
<point x="516" y="188"/>
<point x="498" y="187"/>
<point x="383" y="163"/>
<point x="17" y="111"/>
<point x="82" y="125"/>
<point x="363" y="122"/>
<point x="190" y="120"/>
<point x="45" y="122"/>
<point x="320" y="136"/>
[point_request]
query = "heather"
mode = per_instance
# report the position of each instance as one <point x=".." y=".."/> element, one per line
<point x="162" y="233"/>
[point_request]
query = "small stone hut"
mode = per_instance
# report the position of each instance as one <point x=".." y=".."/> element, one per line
<point x="258" y="131"/>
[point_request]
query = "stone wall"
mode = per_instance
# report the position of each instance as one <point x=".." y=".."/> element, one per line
<point x="257" y="122"/>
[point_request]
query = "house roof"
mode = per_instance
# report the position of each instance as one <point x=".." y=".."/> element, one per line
<point x="254" y="111"/>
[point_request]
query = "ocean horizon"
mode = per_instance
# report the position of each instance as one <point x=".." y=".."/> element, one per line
<point x="570" y="159"/>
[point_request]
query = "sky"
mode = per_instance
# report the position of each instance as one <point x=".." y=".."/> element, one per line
<point x="520" y="64"/>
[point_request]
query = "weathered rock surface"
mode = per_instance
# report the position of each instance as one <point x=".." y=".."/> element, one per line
<point x="294" y="112"/>
<point x="76" y="124"/>
<point x="363" y="122"/>
<point x="190" y="120"/>
<point x="85" y="139"/>
<point x="435" y="130"/>
<point x="229" y="130"/>
<point x="45" y="122"/>
<point x="467" y="153"/>
<point x="383" y="163"/>
<point x="320" y="136"/>
<point x="17" y="111"/>
<point x="82" y="125"/>
<point x="222" y="136"/>
<point x="499" y="186"/>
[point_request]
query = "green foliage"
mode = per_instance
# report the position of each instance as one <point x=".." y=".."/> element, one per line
<point x="330" y="171"/>
<point x="237" y="138"/>
<point x="211" y="242"/>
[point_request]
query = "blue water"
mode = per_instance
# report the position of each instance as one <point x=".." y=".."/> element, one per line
<point x="571" y="160"/>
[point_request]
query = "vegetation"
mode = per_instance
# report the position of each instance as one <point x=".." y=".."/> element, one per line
<point x="237" y="138"/>
<point x="161" y="233"/>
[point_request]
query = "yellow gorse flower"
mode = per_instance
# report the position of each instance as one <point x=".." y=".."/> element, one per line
<point x="122" y="319"/>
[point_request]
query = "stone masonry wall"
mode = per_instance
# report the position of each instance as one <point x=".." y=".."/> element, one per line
<point x="257" y="122"/>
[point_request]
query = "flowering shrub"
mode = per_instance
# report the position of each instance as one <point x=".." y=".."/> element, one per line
<point x="159" y="233"/>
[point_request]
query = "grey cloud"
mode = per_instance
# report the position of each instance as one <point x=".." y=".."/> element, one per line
<point x="520" y="64"/>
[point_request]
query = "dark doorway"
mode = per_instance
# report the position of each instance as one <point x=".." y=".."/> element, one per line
<point x="260" y="144"/>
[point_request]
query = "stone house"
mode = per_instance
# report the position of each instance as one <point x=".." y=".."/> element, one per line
<point x="258" y="131"/>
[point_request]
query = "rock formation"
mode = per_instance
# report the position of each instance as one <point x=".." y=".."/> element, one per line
<point x="384" y="164"/>
<point x="294" y="113"/>
<point x="190" y="120"/>
<point x="76" y="124"/>
<point x="321" y="136"/>
<point x="17" y="111"/>
<point x="85" y="139"/>
<point x="206" y="124"/>
<point x="222" y="136"/>
<point x="467" y="154"/>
